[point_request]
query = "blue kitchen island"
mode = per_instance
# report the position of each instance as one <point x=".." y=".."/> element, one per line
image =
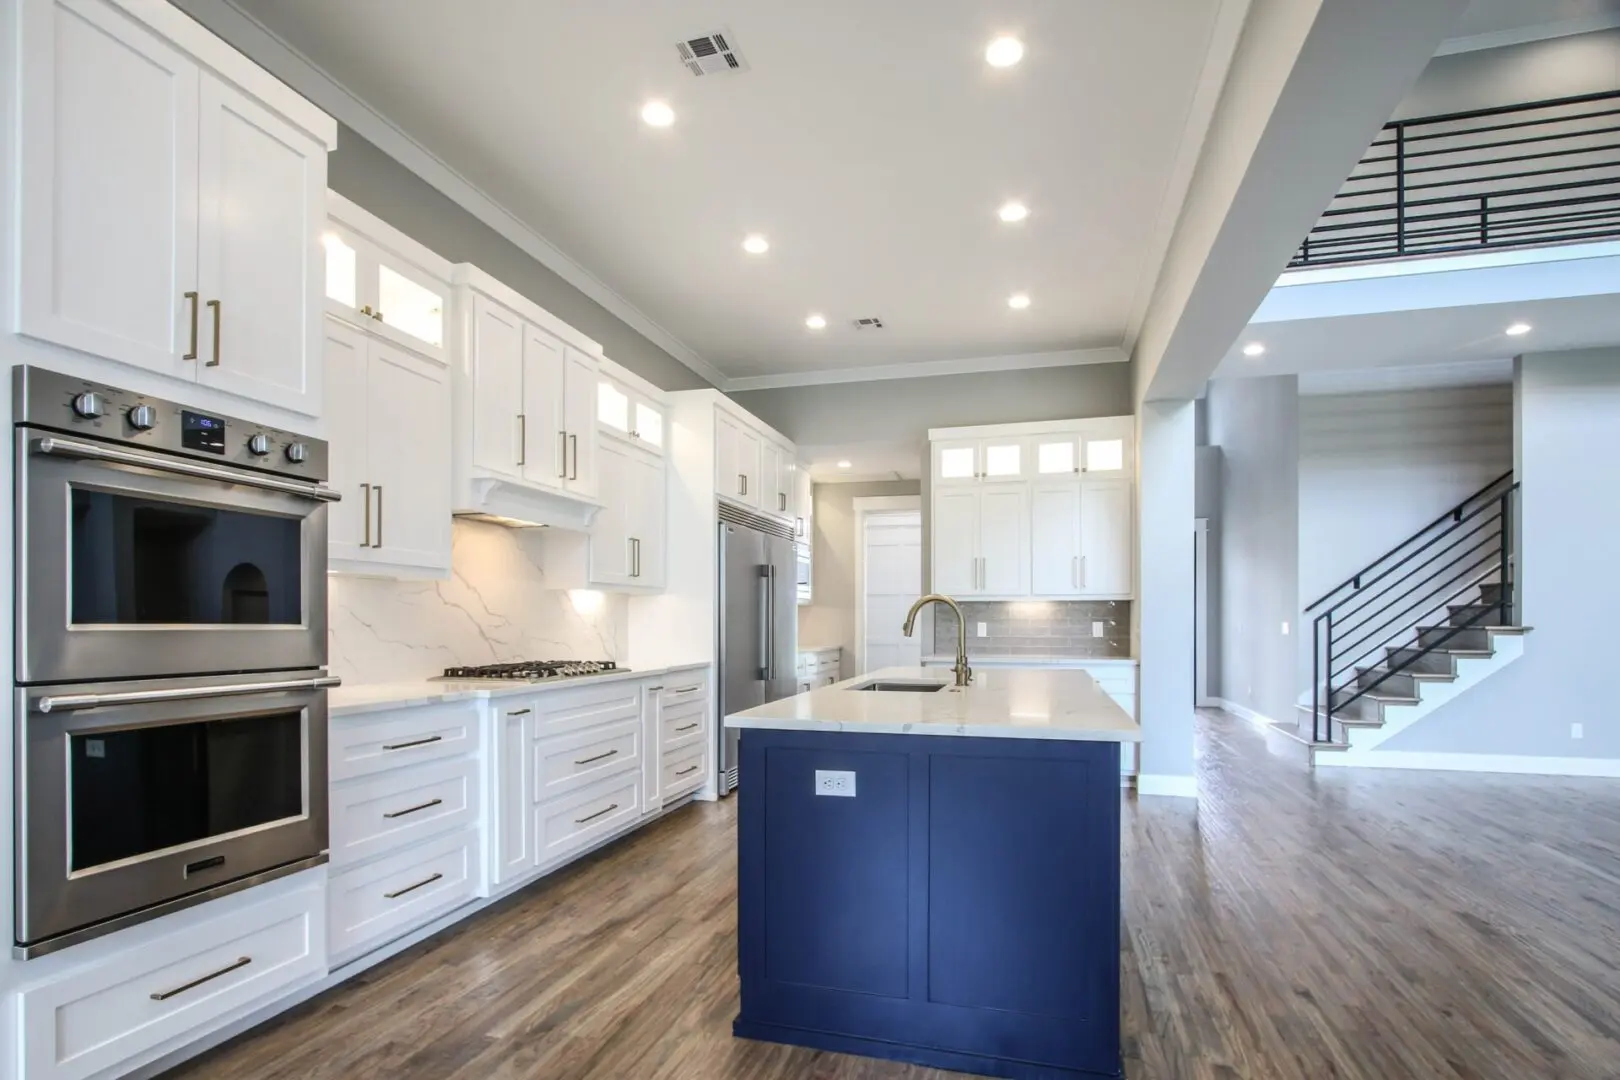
<point x="930" y="873"/>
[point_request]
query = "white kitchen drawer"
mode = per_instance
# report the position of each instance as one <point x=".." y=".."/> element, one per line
<point x="574" y="821"/>
<point x="683" y="724"/>
<point x="374" y="904"/>
<point x="559" y="712"/>
<point x="683" y="770"/>
<point x="369" y="743"/>
<point x="567" y="763"/>
<point x="97" y="1016"/>
<point x="684" y="687"/>
<point x="377" y="814"/>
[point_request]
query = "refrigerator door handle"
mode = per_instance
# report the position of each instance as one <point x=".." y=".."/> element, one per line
<point x="764" y="624"/>
<point x="770" y="593"/>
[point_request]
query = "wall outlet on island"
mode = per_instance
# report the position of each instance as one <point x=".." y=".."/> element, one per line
<point x="835" y="782"/>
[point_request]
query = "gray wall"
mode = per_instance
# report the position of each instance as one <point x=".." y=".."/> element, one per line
<point x="363" y="173"/>
<point x="1567" y="431"/>
<point x="1535" y="71"/>
<point x="1207" y="469"/>
<point x="1255" y="422"/>
<point x="830" y="619"/>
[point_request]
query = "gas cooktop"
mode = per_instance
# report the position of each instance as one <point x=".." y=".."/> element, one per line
<point x="534" y="670"/>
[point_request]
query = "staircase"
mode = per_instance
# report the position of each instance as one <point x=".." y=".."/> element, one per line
<point x="1416" y="627"/>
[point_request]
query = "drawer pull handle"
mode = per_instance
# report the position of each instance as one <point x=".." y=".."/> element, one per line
<point x="413" y="742"/>
<point x="414" y="809"/>
<point x="411" y="888"/>
<point x="598" y="757"/>
<point x="688" y="727"/>
<point x="688" y="769"/>
<point x="688" y="689"/>
<point x="520" y="712"/>
<point x="165" y="995"/>
<point x="599" y="813"/>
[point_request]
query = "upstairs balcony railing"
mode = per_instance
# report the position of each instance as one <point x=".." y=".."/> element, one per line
<point x="1515" y="176"/>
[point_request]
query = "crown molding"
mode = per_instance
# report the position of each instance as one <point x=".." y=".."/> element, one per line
<point x="262" y="45"/>
<point x="924" y="369"/>
<point x="1523" y="35"/>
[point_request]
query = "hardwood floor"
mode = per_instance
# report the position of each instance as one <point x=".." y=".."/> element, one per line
<point x="1345" y="924"/>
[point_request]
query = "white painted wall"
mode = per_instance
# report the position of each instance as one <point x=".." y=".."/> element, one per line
<point x="1567" y="436"/>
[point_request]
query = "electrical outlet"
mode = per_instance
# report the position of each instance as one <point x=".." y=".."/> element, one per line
<point x="1285" y="629"/>
<point x="984" y="629"/>
<point x="1577" y="731"/>
<point x="1097" y="629"/>
<point x="835" y="782"/>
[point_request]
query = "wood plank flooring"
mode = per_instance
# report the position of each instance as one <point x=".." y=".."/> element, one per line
<point x="1352" y="925"/>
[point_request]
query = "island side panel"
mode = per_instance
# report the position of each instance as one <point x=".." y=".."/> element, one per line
<point x="1007" y="881"/>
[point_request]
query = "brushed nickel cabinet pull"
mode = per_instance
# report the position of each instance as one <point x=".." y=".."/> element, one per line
<point x="562" y="455"/>
<point x="411" y="888"/>
<point x="365" y="496"/>
<point x="165" y="995"/>
<point x="217" y="306"/>
<point x="365" y="309"/>
<point x="688" y="769"/>
<point x="378" y="489"/>
<point x="413" y="742"/>
<point x="414" y="809"/>
<point x="598" y="757"/>
<point x="688" y="689"/>
<point x="378" y="315"/>
<point x="520" y="712"/>
<point x="650" y="689"/>
<point x="523" y="439"/>
<point x="742" y="484"/>
<point x="688" y="727"/>
<point x="599" y="813"/>
<point x="573" y="470"/>
<point x="192" y="354"/>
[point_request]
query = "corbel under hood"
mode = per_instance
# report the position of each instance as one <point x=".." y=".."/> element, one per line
<point x="520" y="506"/>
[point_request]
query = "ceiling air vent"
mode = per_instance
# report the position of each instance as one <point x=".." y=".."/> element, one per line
<point x="712" y="54"/>
<point x="869" y="324"/>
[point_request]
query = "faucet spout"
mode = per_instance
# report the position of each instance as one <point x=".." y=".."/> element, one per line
<point x="964" y="674"/>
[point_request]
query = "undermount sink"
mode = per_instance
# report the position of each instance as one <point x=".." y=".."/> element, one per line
<point x="902" y="687"/>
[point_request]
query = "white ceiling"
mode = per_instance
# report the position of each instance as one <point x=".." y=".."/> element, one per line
<point x="869" y="141"/>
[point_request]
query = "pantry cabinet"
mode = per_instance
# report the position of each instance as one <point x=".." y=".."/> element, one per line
<point x="172" y="198"/>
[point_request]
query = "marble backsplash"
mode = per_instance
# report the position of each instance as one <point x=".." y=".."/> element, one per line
<point x="1059" y="628"/>
<point x="496" y="607"/>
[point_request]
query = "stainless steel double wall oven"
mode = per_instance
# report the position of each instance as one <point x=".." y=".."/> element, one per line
<point x="170" y="677"/>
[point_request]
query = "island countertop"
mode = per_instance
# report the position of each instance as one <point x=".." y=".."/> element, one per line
<point x="1001" y="704"/>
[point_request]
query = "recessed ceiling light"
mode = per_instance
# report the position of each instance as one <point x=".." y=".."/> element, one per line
<point x="845" y="464"/>
<point x="1018" y="301"/>
<point x="1012" y="212"/>
<point x="816" y="322"/>
<point x="1518" y="328"/>
<point x="1254" y="348"/>
<point x="756" y="244"/>
<point x="1004" y="51"/>
<point x="657" y="114"/>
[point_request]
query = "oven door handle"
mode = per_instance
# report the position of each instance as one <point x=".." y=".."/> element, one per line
<point x="71" y="702"/>
<point x="94" y="452"/>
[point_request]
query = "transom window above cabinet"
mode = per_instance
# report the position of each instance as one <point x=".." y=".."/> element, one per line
<point x="627" y="413"/>
<point x="381" y="284"/>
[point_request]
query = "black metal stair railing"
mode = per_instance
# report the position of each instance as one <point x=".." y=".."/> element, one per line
<point x="1362" y="629"/>
<point x="1546" y="172"/>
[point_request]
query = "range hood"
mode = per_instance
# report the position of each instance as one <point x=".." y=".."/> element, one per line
<point x="519" y="506"/>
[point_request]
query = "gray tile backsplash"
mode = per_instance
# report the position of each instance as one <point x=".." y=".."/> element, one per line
<point x="1040" y="628"/>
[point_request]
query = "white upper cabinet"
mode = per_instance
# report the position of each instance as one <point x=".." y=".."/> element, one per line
<point x="971" y="461"/>
<point x="542" y="423"/>
<point x="737" y="461"/>
<point x="379" y="278"/>
<point x="1107" y="540"/>
<point x="804" y="503"/>
<point x="624" y="411"/>
<point x="579" y="421"/>
<point x="172" y="196"/>
<point x="750" y="459"/>
<point x="1004" y="540"/>
<point x="1055" y="538"/>
<point x="773" y="479"/>
<point x="956" y="542"/>
<point x="497" y="419"/>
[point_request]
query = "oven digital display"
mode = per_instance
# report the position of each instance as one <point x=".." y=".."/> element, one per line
<point x="199" y="432"/>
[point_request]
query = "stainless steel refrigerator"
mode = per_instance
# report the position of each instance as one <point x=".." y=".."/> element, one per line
<point x="759" y="622"/>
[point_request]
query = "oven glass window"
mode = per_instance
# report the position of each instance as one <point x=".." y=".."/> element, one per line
<point x="144" y="789"/>
<point x="140" y="560"/>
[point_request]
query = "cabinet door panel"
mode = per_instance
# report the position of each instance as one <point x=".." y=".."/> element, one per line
<point x="262" y="196"/>
<point x="956" y="542"/>
<point x="1004" y="540"/>
<point x="772" y="498"/>
<point x="410" y="458"/>
<point x="348" y="405"/>
<point x="544" y="429"/>
<point x="749" y="458"/>
<point x="1055" y="540"/>
<point x="108" y="180"/>
<point x="728" y="478"/>
<point x="956" y="462"/>
<point x="648" y="514"/>
<point x="579" y="411"/>
<point x="1107" y="561"/>
<point x="611" y="560"/>
<point x="497" y="371"/>
<point x="513" y="847"/>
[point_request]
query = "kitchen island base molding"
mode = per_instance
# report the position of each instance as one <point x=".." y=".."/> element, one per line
<point x="961" y="911"/>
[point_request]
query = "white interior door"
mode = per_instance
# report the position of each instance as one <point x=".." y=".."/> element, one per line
<point x="891" y="581"/>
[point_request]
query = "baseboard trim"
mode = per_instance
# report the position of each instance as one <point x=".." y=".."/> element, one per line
<point x="1242" y="712"/>
<point x="1487" y="763"/>
<point x="1181" y="787"/>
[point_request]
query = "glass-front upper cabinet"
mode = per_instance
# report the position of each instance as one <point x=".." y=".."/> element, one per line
<point x="380" y="279"/>
<point x="627" y="413"/>
<point x="1102" y="449"/>
<point x="968" y="461"/>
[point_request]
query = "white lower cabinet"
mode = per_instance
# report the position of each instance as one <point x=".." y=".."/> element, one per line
<point x="183" y="983"/>
<point x="373" y="904"/>
<point x="563" y="826"/>
<point x="379" y="813"/>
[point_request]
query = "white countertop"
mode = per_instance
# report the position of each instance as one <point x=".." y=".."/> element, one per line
<point x="991" y="660"/>
<point x="1012" y="703"/>
<point x="357" y="698"/>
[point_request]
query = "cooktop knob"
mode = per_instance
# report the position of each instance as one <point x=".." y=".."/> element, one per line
<point x="143" y="418"/>
<point x="89" y="405"/>
<point x="297" y="452"/>
<point x="259" y="445"/>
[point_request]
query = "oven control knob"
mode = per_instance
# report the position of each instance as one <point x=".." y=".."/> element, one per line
<point x="259" y="445"/>
<point x="89" y="405"/>
<point x="297" y="452"/>
<point x="143" y="418"/>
